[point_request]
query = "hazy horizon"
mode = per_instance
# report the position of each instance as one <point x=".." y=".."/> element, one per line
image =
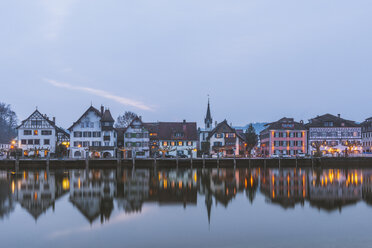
<point x="257" y="60"/>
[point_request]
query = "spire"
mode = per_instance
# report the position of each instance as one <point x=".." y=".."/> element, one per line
<point x="208" y="118"/>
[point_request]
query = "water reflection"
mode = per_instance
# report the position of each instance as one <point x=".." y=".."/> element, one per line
<point x="96" y="193"/>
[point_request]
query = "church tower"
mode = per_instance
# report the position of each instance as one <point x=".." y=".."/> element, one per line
<point x="208" y="121"/>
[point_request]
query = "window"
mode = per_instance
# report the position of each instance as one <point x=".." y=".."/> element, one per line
<point x="36" y="122"/>
<point x="173" y="143"/>
<point x="180" y="143"/>
<point x="46" y="142"/>
<point x="46" y="132"/>
<point x="82" y="125"/>
<point x="97" y="134"/>
<point x="30" y="142"/>
<point x="78" y="134"/>
<point x="96" y="143"/>
<point x="189" y="143"/>
<point x="328" y="124"/>
<point x="86" y="143"/>
<point x="87" y="134"/>
<point x="35" y="132"/>
<point x="37" y="142"/>
<point x="107" y="143"/>
<point x="92" y="124"/>
<point x="27" y="132"/>
<point x="178" y="134"/>
<point x="23" y="142"/>
<point x="165" y="143"/>
<point x="218" y="144"/>
<point x="218" y="135"/>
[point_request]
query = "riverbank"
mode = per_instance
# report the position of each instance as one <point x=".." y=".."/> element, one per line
<point x="354" y="162"/>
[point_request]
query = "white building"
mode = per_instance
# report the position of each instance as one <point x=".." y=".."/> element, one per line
<point x="39" y="136"/>
<point x="93" y="134"/>
<point x="204" y="133"/>
<point x="367" y="135"/>
<point x="136" y="140"/>
<point x="225" y="141"/>
<point x="335" y="135"/>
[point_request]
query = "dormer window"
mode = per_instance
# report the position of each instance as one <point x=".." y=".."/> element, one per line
<point x="178" y="134"/>
<point x="328" y="124"/>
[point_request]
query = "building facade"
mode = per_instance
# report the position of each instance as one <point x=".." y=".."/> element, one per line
<point x="284" y="137"/>
<point x="136" y="140"/>
<point x="334" y="136"/>
<point x="225" y="141"/>
<point x="39" y="136"/>
<point x="367" y="135"/>
<point x="204" y="133"/>
<point x="93" y="135"/>
<point x="173" y="138"/>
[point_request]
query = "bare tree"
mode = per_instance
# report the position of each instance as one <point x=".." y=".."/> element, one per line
<point x="317" y="145"/>
<point x="124" y="120"/>
<point x="8" y="123"/>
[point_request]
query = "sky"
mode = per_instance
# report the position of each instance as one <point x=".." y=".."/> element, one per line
<point x="258" y="60"/>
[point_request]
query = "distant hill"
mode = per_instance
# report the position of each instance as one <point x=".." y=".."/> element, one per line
<point x="258" y="126"/>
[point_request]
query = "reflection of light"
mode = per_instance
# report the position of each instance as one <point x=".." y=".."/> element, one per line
<point x="251" y="181"/>
<point x="65" y="184"/>
<point x="13" y="186"/>
<point x="35" y="195"/>
<point x="180" y="184"/>
<point x="79" y="183"/>
<point x="165" y="183"/>
<point x="273" y="194"/>
<point x="245" y="183"/>
<point x="195" y="177"/>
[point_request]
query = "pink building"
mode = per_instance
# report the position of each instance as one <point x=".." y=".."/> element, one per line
<point x="284" y="137"/>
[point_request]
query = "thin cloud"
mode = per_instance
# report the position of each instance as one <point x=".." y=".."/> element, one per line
<point x="101" y="93"/>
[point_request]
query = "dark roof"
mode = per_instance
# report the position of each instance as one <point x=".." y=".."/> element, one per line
<point x="320" y="121"/>
<point x="107" y="116"/>
<point x="52" y="123"/>
<point x="208" y="117"/>
<point x="167" y="130"/>
<point x="90" y="109"/>
<point x="284" y="124"/>
<point x="221" y="127"/>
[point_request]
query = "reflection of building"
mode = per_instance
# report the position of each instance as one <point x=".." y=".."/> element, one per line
<point x="38" y="136"/>
<point x="133" y="190"/>
<point x="38" y="190"/>
<point x="92" y="192"/>
<point x="335" y="134"/>
<point x="93" y="133"/>
<point x="223" y="185"/>
<point x="284" y="137"/>
<point x="174" y="187"/>
<point x="333" y="189"/>
<point x="6" y="197"/>
<point x="136" y="139"/>
<point x="286" y="187"/>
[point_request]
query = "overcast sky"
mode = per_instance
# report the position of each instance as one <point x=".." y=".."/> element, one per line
<point x="258" y="60"/>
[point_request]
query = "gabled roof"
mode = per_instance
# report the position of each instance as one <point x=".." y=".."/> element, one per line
<point x="52" y="123"/>
<point x="221" y="127"/>
<point x="337" y="121"/>
<point x="167" y="130"/>
<point x="107" y="117"/>
<point x="281" y="125"/>
<point x="90" y="109"/>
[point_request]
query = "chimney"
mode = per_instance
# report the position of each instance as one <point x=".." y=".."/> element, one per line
<point x="54" y="119"/>
<point x="339" y="116"/>
<point x="184" y="121"/>
<point x="102" y="109"/>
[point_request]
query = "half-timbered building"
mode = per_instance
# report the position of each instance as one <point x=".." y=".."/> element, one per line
<point x="39" y="136"/>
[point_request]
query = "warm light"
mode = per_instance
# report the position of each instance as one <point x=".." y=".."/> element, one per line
<point x="79" y="145"/>
<point x="273" y="194"/>
<point x="165" y="183"/>
<point x="180" y="184"/>
<point x="13" y="142"/>
<point x="13" y="186"/>
<point x="245" y="183"/>
<point x="65" y="184"/>
<point x="35" y="195"/>
<point x="79" y="183"/>
<point x="195" y="177"/>
<point x="251" y="181"/>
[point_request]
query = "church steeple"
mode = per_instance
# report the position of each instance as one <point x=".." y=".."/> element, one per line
<point x="208" y="118"/>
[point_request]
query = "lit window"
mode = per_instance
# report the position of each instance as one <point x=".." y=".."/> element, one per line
<point x="35" y="132"/>
<point x="180" y="143"/>
<point x="165" y="143"/>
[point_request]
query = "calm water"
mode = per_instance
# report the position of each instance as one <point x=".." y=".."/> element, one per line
<point x="186" y="208"/>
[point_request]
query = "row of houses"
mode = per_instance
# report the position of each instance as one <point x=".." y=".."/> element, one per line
<point x="94" y="135"/>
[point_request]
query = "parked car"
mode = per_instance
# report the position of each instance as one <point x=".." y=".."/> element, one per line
<point x="301" y="155"/>
<point x="275" y="156"/>
<point x="169" y="156"/>
<point x="182" y="156"/>
<point x="287" y="156"/>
